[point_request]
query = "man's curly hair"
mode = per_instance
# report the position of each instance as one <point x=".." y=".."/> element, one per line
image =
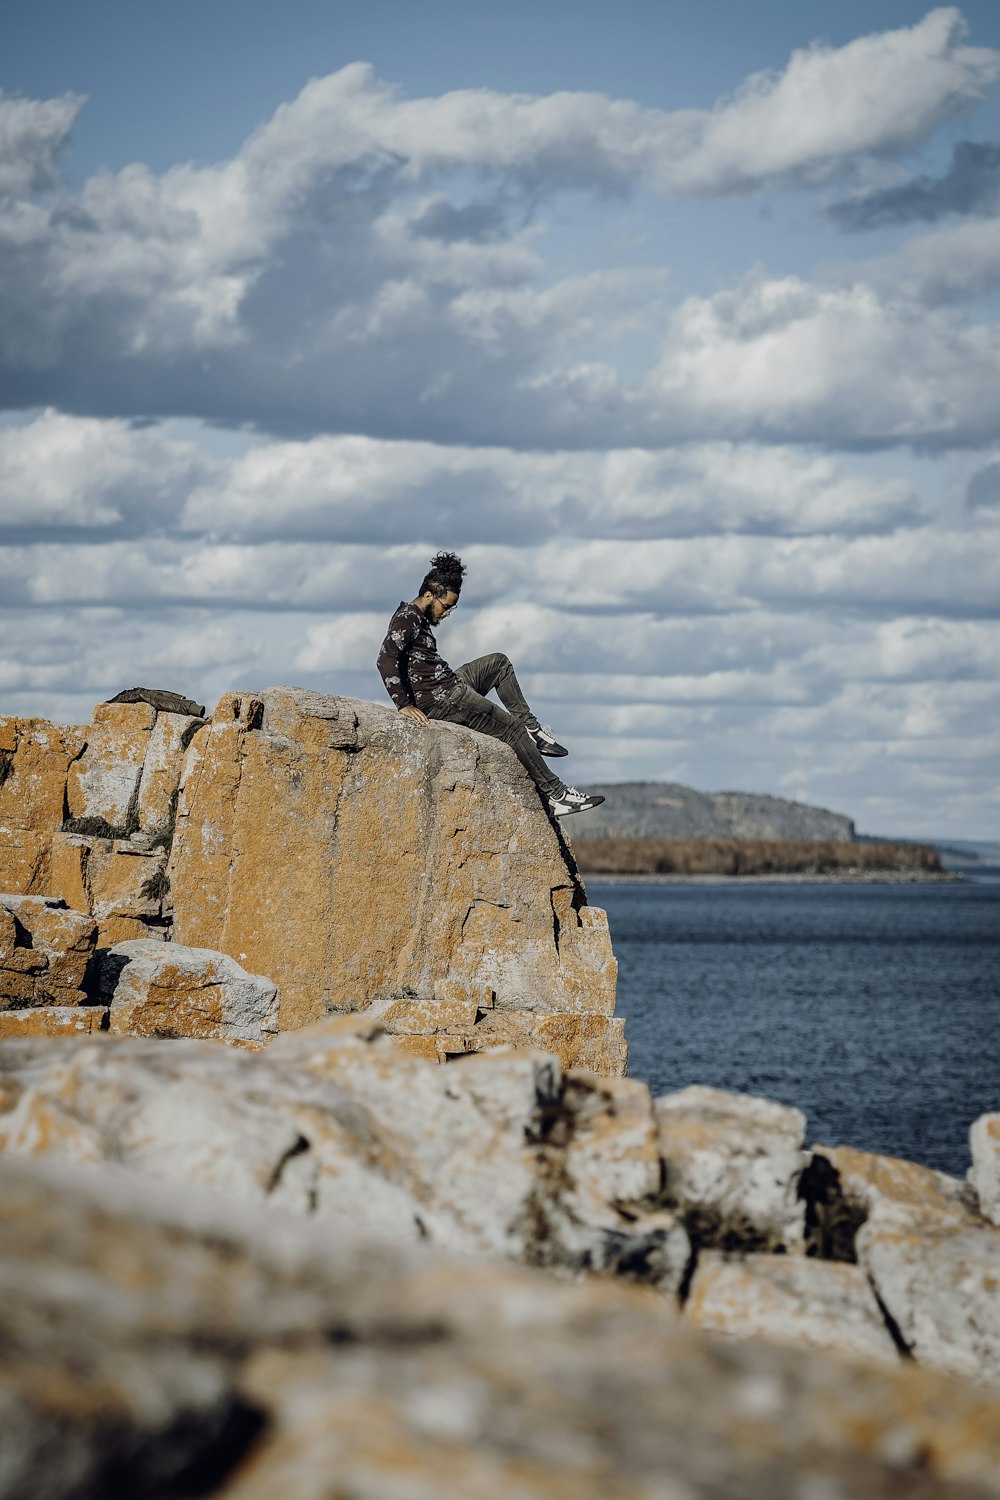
<point x="444" y="575"/>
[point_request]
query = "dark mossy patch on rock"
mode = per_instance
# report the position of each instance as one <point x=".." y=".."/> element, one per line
<point x="832" y="1220"/>
<point x="157" y="887"/>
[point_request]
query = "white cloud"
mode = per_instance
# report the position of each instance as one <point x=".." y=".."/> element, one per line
<point x="32" y="133"/>
<point x="879" y="94"/>
<point x="953" y="264"/>
<point x="837" y="364"/>
<point x="323" y="278"/>
<point x="951" y="573"/>
<point x="899" y="716"/>
<point x="686" y="592"/>
<point x="78" y="472"/>
<point x="357" y="487"/>
<point x="58" y="661"/>
<point x="919" y="649"/>
<point x="113" y="476"/>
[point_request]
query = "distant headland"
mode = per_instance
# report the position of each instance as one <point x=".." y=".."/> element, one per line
<point x="664" y="829"/>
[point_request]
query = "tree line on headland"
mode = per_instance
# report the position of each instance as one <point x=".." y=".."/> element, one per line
<point x="718" y="856"/>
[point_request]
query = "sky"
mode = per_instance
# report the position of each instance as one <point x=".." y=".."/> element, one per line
<point x="681" y="323"/>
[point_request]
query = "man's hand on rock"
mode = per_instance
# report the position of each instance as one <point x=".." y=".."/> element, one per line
<point x="411" y="711"/>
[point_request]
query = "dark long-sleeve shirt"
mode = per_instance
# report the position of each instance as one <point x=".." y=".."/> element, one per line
<point x="409" y="663"/>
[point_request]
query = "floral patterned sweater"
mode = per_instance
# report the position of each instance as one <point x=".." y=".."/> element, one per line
<point x="409" y="663"/>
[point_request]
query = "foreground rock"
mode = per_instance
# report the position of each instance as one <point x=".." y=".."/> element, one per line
<point x="932" y="1258"/>
<point x="985" y="1173"/>
<point x="701" y="1195"/>
<point x="941" y="1287"/>
<point x="733" y="1164"/>
<point x="891" y="1190"/>
<point x="214" y="1353"/>
<point x="499" y="1155"/>
<point x="810" y="1303"/>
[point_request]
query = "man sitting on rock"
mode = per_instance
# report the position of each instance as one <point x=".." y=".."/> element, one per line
<point x="424" y="687"/>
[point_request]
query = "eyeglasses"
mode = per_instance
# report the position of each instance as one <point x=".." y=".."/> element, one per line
<point x="446" y="609"/>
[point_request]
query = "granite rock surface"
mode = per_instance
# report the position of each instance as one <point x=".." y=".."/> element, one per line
<point x="733" y="1162"/>
<point x="360" y="862"/>
<point x="817" y="1304"/>
<point x="45" y="950"/>
<point x="984" y="1175"/>
<point x="169" y="990"/>
<point x="163" y="1344"/>
<point x="501" y="1155"/>
<point x="414" y="862"/>
<point x="35" y="758"/>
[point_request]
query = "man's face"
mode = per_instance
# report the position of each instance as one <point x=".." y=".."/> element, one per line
<point x="439" y="608"/>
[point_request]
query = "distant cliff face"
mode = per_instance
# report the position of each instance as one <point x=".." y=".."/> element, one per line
<point x="663" y="809"/>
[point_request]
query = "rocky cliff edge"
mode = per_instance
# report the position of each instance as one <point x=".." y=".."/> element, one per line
<point x="355" y="860"/>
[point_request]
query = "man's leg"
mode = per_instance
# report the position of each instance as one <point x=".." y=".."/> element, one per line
<point x="475" y="711"/>
<point x="495" y="671"/>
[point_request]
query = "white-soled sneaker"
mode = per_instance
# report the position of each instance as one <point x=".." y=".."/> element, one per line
<point x="547" y="742"/>
<point x="571" y="801"/>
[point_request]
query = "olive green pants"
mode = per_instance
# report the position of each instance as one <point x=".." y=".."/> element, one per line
<point x="469" y="705"/>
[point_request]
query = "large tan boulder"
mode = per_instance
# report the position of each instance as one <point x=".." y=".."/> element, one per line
<point x="941" y="1286"/>
<point x="357" y="858"/>
<point x="889" y="1188"/>
<point x="733" y="1164"/>
<point x="45" y="950"/>
<point x="167" y="990"/>
<point x="814" y="1304"/>
<point x="930" y="1256"/>
<point x="155" y="1343"/>
<point x="35" y="757"/>
<point x="361" y="862"/>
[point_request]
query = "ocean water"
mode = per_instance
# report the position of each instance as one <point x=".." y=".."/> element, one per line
<point x="875" y="1009"/>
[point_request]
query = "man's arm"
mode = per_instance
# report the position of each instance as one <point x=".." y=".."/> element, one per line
<point x="392" y="661"/>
